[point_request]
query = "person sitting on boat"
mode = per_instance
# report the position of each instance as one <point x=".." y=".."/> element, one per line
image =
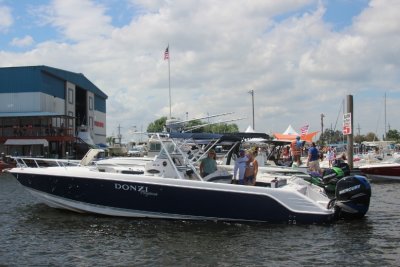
<point x="240" y="167"/>
<point x="286" y="153"/>
<point x="209" y="164"/>
<point x="250" y="174"/>
<point x="313" y="159"/>
<point x="295" y="148"/>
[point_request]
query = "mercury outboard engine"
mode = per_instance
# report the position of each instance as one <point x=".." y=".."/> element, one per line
<point x="353" y="195"/>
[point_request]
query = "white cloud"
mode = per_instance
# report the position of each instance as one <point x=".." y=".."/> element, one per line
<point x="297" y="65"/>
<point x="22" y="42"/>
<point x="6" y="19"/>
<point x="77" y="20"/>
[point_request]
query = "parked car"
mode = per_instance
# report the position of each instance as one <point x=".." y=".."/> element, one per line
<point x="137" y="151"/>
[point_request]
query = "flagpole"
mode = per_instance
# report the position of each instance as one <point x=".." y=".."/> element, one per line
<point x="169" y="84"/>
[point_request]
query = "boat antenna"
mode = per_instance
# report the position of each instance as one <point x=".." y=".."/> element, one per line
<point x="379" y="119"/>
<point x="340" y="110"/>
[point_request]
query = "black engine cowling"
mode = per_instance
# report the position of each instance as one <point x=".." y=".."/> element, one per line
<point x="353" y="194"/>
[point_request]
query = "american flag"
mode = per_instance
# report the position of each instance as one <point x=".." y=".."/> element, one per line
<point x="166" y="53"/>
<point x="304" y="129"/>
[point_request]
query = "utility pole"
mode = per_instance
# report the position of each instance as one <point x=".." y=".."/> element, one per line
<point x="385" y="119"/>
<point x="322" y="128"/>
<point x="119" y="134"/>
<point x="252" y="104"/>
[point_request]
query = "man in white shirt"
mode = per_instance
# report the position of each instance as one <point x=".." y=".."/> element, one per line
<point x="240" y="165"/>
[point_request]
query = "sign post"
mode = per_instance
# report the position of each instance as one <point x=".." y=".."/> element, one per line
<point x="348" y="130"/>
<point x="347" y="124"/>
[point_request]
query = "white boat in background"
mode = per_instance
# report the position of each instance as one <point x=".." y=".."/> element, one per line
<point x="86" y="135"/>
<point x="385" y="170"/>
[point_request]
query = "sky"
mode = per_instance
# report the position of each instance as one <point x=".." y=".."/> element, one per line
<point x="301" y="58"/>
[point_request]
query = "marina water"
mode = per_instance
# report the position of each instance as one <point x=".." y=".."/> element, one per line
<point x="33" y="234"/>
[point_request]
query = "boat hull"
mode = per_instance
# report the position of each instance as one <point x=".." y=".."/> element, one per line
<point x="382" y="171"/>
<point x="172" y="199"/>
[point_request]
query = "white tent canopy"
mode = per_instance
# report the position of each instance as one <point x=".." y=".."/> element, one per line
<point x="290" y="131"/>
<point x="249" y="130"/>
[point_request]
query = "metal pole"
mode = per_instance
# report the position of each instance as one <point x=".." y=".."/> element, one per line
<point x="385" y="119"/>
<point x="169" y="85"/>
<point x="350" y="145"/>
<point x="252" y="104"/>
<point x="322" y="128"/>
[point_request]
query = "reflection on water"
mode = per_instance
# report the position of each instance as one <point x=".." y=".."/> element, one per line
<point x="34" y="234"/>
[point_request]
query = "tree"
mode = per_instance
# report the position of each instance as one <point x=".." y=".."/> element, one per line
<point x="393" y="135"/>
<point x="371" y="137"/>
<point x="359" y="138"/>
<point x="157" y="125"/>
<point x="221" y="128"/>
<point x="194" y="123"/>
<point x="330" y="136"/>
<point x="110" y="140"/>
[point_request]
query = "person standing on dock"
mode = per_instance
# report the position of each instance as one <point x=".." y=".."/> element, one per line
<point x="313" y="159"/>
<point x="330" y="156"/>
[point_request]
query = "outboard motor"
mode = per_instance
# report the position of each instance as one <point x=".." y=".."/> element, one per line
<point x="343" y="165"/>
<point x="332" y="176"/>
<point x="353" y="194"/>
<point x="328" y="180"/>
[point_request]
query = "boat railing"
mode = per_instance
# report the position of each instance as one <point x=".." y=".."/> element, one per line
<point x="186" y="162"/>
<point x="29" y="162"/>
<point x="204" y="155"/>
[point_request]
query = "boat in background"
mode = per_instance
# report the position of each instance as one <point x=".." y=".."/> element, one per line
<point x="386" y="170"/>
<point x="6" y="163"/>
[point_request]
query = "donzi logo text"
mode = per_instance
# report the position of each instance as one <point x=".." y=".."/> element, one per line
<point x="144" y="190"/>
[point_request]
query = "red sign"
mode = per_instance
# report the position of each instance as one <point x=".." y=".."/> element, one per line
<point x="347" y="124"/>
<point x="99" y="124"/>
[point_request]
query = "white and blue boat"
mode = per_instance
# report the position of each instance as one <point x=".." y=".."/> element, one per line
<point x="172" y="189"/>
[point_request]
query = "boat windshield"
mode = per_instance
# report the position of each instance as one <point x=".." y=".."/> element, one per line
<point x="170" y="147"/>
<point x="391" y="160"/>
<point x="396" y="160"/>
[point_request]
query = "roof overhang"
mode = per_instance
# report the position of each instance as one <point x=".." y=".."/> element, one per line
<point x="21" y="142"/>
<point x="32" y="114"/>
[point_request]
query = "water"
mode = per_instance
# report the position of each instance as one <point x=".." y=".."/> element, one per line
<point x="32" y="234"/>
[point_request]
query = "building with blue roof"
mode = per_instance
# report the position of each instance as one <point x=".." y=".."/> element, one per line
<point x="45" y="110"/>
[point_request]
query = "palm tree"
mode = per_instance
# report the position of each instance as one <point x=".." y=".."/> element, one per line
<point x="110" y="140"/>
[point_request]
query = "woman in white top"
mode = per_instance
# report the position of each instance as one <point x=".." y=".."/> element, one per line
<point x="330" y="156"/>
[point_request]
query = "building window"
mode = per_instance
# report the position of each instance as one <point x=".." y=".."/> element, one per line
<point x="90" y="103"/>
<point x="70" y="121"/>
<point x="70" y="96"/>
